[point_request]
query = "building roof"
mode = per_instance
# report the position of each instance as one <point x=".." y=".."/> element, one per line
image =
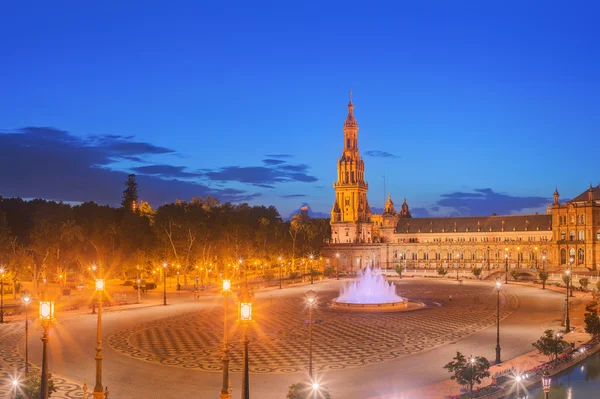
<point x="473" y="224"/>
<point x="584" y="195"/>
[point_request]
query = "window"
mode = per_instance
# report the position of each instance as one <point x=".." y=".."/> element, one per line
<point x="563" y="256"/>
<point x="598" y="235"/>
<point x="580" y="256"/>
<point x="581" y="235"/>
<point x="473" y="256"/>
<point x="563" y="235"/>
<point x="572" y="235"/>
<point x="348" y="143"/>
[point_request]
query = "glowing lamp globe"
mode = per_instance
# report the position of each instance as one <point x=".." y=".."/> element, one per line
<point x="99" y="284"/>
<point x="311" y="297"/>
<point x="26" y="299"/>
<point x="46" y="310"/>
<point x="226" y="285"/>
<point x="245" y="311"/>
<point x="546" y="381"/>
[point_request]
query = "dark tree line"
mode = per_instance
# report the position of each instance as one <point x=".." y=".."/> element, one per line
<point x="45" y="240"/>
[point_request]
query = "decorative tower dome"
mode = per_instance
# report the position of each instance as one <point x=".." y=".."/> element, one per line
<point x="556" y="196"/>
<point x="405" y="212"/>
<point x="389" y="206"/>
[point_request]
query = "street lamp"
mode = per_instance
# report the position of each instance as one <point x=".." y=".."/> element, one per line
<point x="518" y="257"/>
<point x="98" y="390"/>
<point x="498" y="286"/>
<point x="26" y="299"/>
<point x="280" y="271"/>
<point x="568" y="321"/>
<point x="457" y="265"/>
<point x="178" y="286"/>
<point x="546" y="381"/>
<point x="571" y="261"/>
<point x="556" y="340"/>
<point x="225" y="391"/>
<point x="544" y="271"/>
<point x="506" y="266"/>
<point x="245" y="318"/>
<point x="488" y="258"/>
<point x="165" y="284"/>
<point x="2" y="271"/>
<point x="311" y="300"/>
<point x="337" y="266"/>
<point x="46" y="318"/>
<point x="311" y="269"/>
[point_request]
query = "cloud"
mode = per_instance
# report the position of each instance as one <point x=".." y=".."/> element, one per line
<point x="294" y="196"/>
<point x="270" y="161"/>
<point x="485" y="201"/>
<point x="165" y="171"/>
<point x="50" y="163"/>
<point x="262" y="176"/>
<point x="380" y="154"/>
<point x="279" y="156"/>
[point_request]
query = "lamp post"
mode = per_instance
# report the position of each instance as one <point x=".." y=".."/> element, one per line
<point x="536" y="257"/>
<point x="568" y="321"/>
<point x="26" y="299"/>
<point x="457" y="265"/>
<point x="311" y="300"/>
<point x="518" y="257"/>
<point x="280" y="271"/>
<point x="498" y="286"/>
<point x="46" y="318"/>
<point x="337" y="266"/>
<point x="546" y="381"/>
<point x="98" y="390"/>
<point x="488" y="258"/>
<point x="2" y="295"/>
<point x="245" y="318"/>
<point x="544" y="271"/>
<point x="165" y="284"/>
<point x="571" y="261"/>
<point x="178" y="286"/>
<point x="506" y="266"/>
<point x="311" y="269"/>
<point x="225" y="391"/>
<point x="556" y="338"/>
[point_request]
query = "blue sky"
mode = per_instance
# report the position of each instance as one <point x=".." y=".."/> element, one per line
<point x="481" y="107"/>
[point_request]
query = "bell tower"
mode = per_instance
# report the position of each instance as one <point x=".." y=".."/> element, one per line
<point x="351" y="213"/>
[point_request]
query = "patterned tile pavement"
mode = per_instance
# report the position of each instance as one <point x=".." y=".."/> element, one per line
<point x="12" y="363"/>
<point x="279" y="338"/>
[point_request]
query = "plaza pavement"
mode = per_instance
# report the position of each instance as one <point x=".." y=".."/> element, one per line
<point x="73" y="343"/>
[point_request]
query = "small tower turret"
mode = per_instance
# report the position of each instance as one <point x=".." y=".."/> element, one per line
<point x="556" y="196"/>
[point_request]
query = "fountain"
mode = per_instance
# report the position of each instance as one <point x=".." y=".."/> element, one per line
<point x="370" y="293"/>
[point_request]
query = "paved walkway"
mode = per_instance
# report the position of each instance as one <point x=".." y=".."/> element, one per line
<point x="363" y="374"/>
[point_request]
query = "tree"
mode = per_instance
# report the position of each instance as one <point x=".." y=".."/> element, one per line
<point x="468" y="372"/>
<point x="598" y="285"/>
<point x="30" y="388"/>
<point x="399" y="270"/>
<point x="592" y="323"/>
<point x="515" y="274"/>
<point x="544" y="278"/>
<point x="584" y="282"/>
<point x="130" y="194"/>
<point x="305" y="390"/>
<point x="477" y="272"/>
<point x="550" y="344"/>
<point x="441" y="271"/>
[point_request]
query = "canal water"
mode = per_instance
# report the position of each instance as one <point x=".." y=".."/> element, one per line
<point x="578" y="382"/>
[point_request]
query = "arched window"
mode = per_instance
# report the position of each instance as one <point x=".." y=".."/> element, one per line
<point x="563" y="256"/>
<point x="598" y="235"/>
<point x="581" y="235"/>
<point x="571" y="254"/>
<point x="580" y="256"/>
<point x="571" y="235"/>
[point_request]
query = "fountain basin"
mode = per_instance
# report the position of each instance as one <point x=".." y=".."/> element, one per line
<point x="371" y="307"/>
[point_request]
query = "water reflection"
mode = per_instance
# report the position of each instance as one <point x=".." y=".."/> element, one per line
<point x="578" y="382"/>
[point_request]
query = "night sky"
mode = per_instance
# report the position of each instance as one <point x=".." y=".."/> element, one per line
<point x="466" y="108"/>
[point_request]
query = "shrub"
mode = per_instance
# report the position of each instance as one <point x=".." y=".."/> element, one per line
<point x="30" y="388"/>
<point x="477" y="272"/>
<point x="328" y="271"/>
<point x="441" y="271"/>
<point x="305" y="390"/>
<point x="584" y="282"/>
<point x="128" y="283"/>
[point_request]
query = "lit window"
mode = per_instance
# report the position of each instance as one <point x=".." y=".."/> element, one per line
<point x="581" y="235"/>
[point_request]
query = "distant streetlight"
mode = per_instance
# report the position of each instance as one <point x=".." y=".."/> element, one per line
<point x="245" y="319"/>
<point x="311" y="300"/>
<point x="26" y="299"/>
<point x="498" y="286"/>
<point x="225" y="391"/>
<point x="472" y="372"/>
<point x="311" y="268"/>
<point x="337" y="266"/>
<point x="165" y="283"/>
<point x="544" y="271"/>
<point x="457" y="265"/>
<point x="98" y="390"/>
<point x="568" y="321"/>
<point x="280" y="271"/>
<point x="506" y="266"/>
<point x="46" y="318"/>
<point x="2" y="271"/>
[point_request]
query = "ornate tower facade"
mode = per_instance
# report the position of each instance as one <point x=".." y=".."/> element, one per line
<point x="351" y="213"/>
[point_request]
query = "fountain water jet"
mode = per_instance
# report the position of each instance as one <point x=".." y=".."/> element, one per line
<point x="370" y="292"/>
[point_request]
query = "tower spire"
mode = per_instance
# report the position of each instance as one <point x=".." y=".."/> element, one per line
<point x="350" y="96"/>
